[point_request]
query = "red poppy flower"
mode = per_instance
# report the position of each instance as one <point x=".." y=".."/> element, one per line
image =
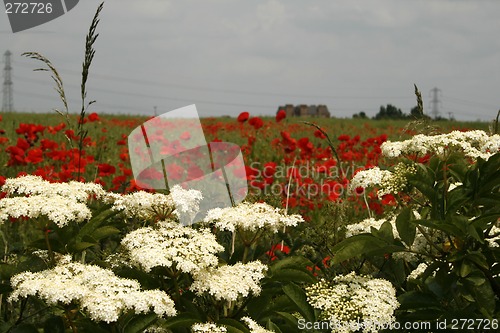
<point x="30" y="131"/>
<point x="243" y="117"/>
<point x="251" y="173"/>
<point x="313" y="270"/>
<point x="269" y="169"/>
<point x="344" y="137"/>
<point x="305" y="146"/>
<point x="359" y="190"/>
<point x="124" y="156"/>
<point x="326" y="261"/>
<point x="105" y="169"/>
<point x="278" y="247"/>
<point x="93" y="117"/>
<point x="23" y="144"/>
<point x="388" y="199"/>
<point x="319" y="134"/>
<point x="280" y="115"/>
<point x="256" y="122"/>
<point x="34" y="156"/>
<point x="47" y="144"/>
<point x="55" y="129"/>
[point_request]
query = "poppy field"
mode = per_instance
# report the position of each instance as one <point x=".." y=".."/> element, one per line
<point x="348" y="225"/>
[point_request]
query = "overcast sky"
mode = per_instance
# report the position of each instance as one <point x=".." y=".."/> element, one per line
<point x="229" y="56"/>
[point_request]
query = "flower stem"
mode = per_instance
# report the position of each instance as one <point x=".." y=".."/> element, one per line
<point x="49" y="248"/>
<point x="245" y="254"/>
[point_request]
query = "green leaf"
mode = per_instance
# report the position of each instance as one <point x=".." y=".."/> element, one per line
<point x="479" y="259"/>
<point x="290" y="319"/>
<point x="80" y="246"/>
<point x="485" y="298"/>
<point x="465" y="268"/>
<point x="272" y="326"/>
<point x="104" y="232"/>
<point x="24" y="328"/>
<point x="182" y="320"/>
<point x="233" y="326"/>
<point x="54" y="324"/>
<point x="427" y="190"/>
<point x="290" y="262"/>
<point x="384" y="232"/>
<point x="417" y="300"/>
<point x="456" y="199"/>
<point x="292" y="274"/>
<point x="146" y="280"/>
<point x="95" y="222"/>
<point x="440" y="225"/>
<point x="140" y="322"/>
<point x="87" y="325"/>
<point x="264" y="305"/>
<point x="299" y="298"/>
<point x="406" y="229"/>
<point x="356" y="246"/>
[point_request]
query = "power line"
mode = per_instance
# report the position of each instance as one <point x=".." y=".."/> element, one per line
<point x="113" y="78"/>
<point x="191" y="100"/>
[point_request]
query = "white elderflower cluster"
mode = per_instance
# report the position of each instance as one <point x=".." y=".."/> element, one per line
<point x="417" y="272"/>
<point x="61" y="203"/>
<point x="251" y="216"/>
<point x="35" y="185"/>
<point x="187" y="201"/>
<point x="365" y="226"/>
<point x="351" y="301"/>
<point x="171" y="244"/>
<point x="473" y="144"/>
<point x="369" y="177"/>
<point x="207" y="328"/>
<point x="387" y="181"/>
<point x="254" y="327"/>
<point x="145" y="205"/>
<point x="98" y="291"/>
<point x="142" y="205"/>
<point x="229" y="282"/>
<point x="58" y="209"/>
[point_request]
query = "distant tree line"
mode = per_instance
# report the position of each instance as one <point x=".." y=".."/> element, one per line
<point x="391" y="112"/>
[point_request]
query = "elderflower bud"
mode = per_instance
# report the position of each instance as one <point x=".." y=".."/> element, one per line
<point x="254" y="327"/>
<point x="351" y="299"/>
